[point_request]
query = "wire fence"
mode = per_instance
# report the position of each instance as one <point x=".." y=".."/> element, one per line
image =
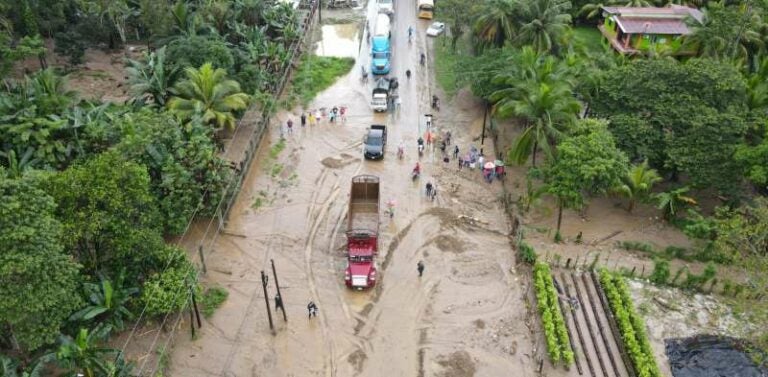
<point x="218" y="221"/>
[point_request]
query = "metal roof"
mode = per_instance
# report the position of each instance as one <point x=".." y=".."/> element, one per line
<point x="633" y="25"/>
<point x="672" y="12"/>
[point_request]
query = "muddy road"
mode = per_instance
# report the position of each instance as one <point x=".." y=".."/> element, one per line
<point x="465" y="317"/>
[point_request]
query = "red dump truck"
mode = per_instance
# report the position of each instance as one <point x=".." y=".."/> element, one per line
<point x="362" y="232"/>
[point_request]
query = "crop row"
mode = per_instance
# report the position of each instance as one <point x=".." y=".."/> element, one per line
<point x="558" y="344"/>
<point x="631" y="325"/>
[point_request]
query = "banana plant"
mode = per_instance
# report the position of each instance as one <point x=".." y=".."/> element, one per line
<point x="107" y="302"/>
<point x="83" y="355"/>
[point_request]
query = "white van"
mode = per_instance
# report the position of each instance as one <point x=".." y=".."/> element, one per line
<point x="386" y="6"/>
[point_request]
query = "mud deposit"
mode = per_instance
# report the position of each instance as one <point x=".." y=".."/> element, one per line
<point x="465" y="317"/>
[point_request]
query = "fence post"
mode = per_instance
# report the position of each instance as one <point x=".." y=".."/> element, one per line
<point x="202" y="258"/>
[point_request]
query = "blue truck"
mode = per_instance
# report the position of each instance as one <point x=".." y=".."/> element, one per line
<point x="381" y="50"/>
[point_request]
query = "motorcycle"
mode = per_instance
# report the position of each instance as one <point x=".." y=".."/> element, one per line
<point x="421" y="150"/>
<point x="435" y="103"/>
<point x="400" y="152"/>
<point x="415" y="174"/>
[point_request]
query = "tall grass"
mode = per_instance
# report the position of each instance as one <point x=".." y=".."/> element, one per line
<point x="315" y="74"/>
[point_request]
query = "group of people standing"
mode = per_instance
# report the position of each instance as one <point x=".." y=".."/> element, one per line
<point x="316" y="116"/>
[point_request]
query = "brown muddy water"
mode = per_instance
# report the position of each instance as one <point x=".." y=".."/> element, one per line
<point x="342" y="40"/>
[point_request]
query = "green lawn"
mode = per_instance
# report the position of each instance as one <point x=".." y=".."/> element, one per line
<point x="317" y="73"/>
<point x="589" y="37"/>
<point x="446" y="61"/>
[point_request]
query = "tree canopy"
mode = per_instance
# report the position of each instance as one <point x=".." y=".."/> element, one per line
<point x="683" y="117"/>
<point x="39" y="281"/>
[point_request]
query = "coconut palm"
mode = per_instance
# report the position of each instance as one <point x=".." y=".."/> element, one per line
<point x="547" y="108"/>
<point x="208" y="93"/>
<point x="637" y="184"/>
<point x="717" y="36"/>
<point x="496" y="21"/>
<point x="543" y="23"/>
<point x="151" y="78"/>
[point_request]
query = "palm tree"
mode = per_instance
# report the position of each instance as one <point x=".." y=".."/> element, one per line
<point x="151" y="78"/>
<point x="547" y="109"/>
<point x="544" y="23"/>
<point x="673" y="201"/>
<point x="496" y="21"/>
<point x="637" y="184"/>
<point x="207" y="92"/>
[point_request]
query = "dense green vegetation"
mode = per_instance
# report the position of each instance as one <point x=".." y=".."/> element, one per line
<point x="631" y="325"/>
<point x="90" y="190"/>
<point x="317" y="73"/>
<point x="555" y="332"/>
<point x="693" y="125"/>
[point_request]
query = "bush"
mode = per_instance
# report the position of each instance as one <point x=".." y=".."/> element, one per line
<point x="168" y="291"/>
<point x="212" y="300"/>
<point x="637" y="246"/>
<point x="71" y="45"/>
<point x="660" y="274"/>
<point x="197" y="50"/>
<point x="526" y="253"/>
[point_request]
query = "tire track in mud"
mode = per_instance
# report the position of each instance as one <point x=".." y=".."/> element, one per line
<point x="318" y="215"/>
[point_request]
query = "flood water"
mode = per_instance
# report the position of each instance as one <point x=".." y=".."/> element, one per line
<point x="342" y="40"/>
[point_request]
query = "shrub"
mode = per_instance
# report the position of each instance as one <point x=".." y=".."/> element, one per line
<point x="636" y="246"/>
<point x="526" y="253"/>
<point x="167" y="291"/>
<point x="212" y="300"/>
<point x="660" y="274"/>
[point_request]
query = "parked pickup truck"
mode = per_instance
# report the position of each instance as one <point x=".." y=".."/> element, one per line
<point x="362" y="232"/>
<point x="375" y="142"/>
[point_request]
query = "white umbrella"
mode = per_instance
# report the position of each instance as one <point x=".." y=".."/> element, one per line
<point x="489" y="165"/>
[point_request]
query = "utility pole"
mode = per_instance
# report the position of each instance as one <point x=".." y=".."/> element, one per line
<point x="319" y="11"/>
<point x="264" y="280"/>
<point x="277" y="285"/>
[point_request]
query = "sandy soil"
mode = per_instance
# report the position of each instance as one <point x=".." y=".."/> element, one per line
<point x="464" y="317"/>
<point x="101" y="77"/>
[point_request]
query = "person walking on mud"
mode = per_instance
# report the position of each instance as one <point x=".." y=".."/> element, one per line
<point x="455" y="152"/>
<point x="429" y="189"/>
<point x="290" y="126"/>
<point x="420" y="268"/>
<point x="312" y="309"/>
<point x="303" y="119"/>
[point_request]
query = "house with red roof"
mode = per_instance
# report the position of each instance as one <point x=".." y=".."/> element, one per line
<point x="635" y="30"/>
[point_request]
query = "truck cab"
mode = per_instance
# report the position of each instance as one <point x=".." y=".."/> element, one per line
<point x="380" y="94"/>
<point x="381" y="50"/>
<point x="361" y="267"/>
<point x="362" y="232"/>
<point x="380" y="54"/>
